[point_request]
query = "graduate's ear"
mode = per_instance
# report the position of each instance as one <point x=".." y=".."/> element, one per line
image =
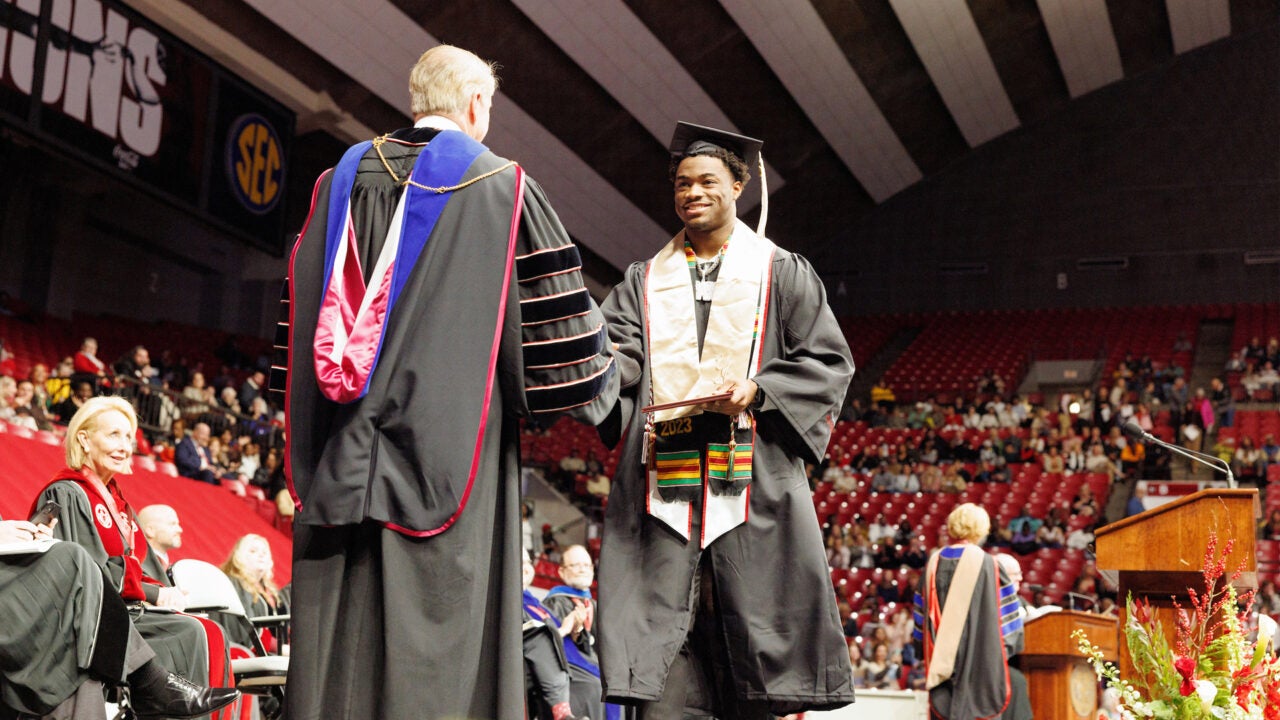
<point x="737" y="189"/>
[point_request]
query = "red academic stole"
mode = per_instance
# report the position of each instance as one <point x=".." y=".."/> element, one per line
<point x="117" y="541"/>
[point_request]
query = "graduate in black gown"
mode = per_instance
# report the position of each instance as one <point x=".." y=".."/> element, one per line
<point x="435" y="299"/>
<point x="715" y="597"/>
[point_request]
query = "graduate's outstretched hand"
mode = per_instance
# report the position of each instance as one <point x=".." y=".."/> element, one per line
<point x="744" y="391"/>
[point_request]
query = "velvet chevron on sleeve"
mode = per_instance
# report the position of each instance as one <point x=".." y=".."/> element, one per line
<point x="568" y="367"/>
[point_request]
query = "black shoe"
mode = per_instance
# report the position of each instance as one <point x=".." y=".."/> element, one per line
<point x="178" y="697"/>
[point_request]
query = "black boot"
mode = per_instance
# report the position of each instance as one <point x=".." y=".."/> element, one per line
<point x="178" y="697"/>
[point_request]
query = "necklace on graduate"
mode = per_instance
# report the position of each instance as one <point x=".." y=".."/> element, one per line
<point x="703" y="289"/>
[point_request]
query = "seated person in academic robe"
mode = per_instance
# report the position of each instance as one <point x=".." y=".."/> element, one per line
<point x="96" y="516"/>
<point x="1014" y="642"/>
<point x="546" y="670"/>
<point x="250" y="568"/>
<point x="572" y="603"/>
<point x="66" y="635"/>
<point x="962" y="615"/>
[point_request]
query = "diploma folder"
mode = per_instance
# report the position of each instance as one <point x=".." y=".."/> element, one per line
<point x="686" y="403"/>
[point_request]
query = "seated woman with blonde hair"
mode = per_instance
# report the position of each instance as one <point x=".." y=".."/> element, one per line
<point x="96" y="516"/>
<point x="250" y="568"/>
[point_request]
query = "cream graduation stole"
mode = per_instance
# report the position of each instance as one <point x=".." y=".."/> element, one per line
<point x="731" y="348"/>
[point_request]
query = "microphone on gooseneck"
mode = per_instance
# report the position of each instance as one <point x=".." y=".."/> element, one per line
<point x="1132" y="429"/>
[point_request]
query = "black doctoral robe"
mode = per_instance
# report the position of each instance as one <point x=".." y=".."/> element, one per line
<point x="774" y="597"/>
<point x="979" y="686"/>
<point x="406" y="590"/>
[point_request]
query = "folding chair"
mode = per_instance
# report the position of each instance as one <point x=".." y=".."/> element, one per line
<point x="209" y="589"/>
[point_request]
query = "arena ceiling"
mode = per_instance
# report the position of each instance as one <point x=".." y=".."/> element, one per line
<point x="857" y="100"/>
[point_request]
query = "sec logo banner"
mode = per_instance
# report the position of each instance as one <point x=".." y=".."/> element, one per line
<point x="255" y="163"/>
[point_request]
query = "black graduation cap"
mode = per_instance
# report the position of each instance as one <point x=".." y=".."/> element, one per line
<point x="690" y="138"/>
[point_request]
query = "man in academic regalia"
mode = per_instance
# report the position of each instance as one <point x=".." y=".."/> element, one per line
<point x="572" y="603"/>
<point x="1015" y="641"/>
<point x="544" y="656"/>
<point x="163" y="530"/>
<point x="434" y="299"/>
<point x="715" y="597"/>
<point x="965" y="608"/>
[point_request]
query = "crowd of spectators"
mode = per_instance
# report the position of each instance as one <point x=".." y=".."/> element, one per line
<point x="224" y="429"/>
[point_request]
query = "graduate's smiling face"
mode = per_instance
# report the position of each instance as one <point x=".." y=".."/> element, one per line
<point x="706" y="193"/>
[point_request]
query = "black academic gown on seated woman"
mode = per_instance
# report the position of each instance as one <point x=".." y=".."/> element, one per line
<point x="406" y="580"/>
<point x="190" y="646"/>
<point x="773" y="593"/>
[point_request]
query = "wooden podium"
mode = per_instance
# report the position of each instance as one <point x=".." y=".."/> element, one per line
<point x="1160" y="553"/>
<point x="1061" y="684"/>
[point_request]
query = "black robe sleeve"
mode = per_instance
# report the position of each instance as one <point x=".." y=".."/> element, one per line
<point x="568" y="366"/>
<point x="804" y="385"/>
<point x="624" y="309"/>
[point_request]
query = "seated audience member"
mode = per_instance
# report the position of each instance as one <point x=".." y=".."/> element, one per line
<point x="1132" y="459"/>
<point x="899" y="630"/>
<point x="1135" y="504"/>
<point x="1081" y="538"/>
<point x="193" y="458"/>
<point x="99" y="445"/>
<point x="66" y="636"/>
<point x="1019" y="707"/>
<point x="1270" y="529"/>
<point x="882" y="479"/>
<point x="904" y="533"/>
<point x="952" y="481"/>
<point x="1268" y="598"/>
<point x="1084" y="503"/>
<point x="881" y="672"/>
<point x="904" y="480"/>
<point x="1097" y="461"/>
<point x="915" y="556"/>
<point x="251" y="570"/>
<point x="1263" y="378"/>
<point x="1053" y="462"/>
<point x="58" y="385"/>
<point x="931" y="479"/>
<point x="82" y="391"/>
<point x="988" y="472"/>
<point x="163" y="531"/>
<point x="880" y="530"/>
<point x="1023" y="540"/>
<point x="573" y="605"/>
<point x="838" y="556"/>
<point x="887" y="555"/>
<point x="546" y="669"/>
<point x="86" y="362"/>
<point x="1248" y="462"/>
<point x="25" y="399"/>
<point x="1073" y="458"/>
<point x="858" y="664"/>
<point x="1051" y="535"/>
<point x="38" y="376"/>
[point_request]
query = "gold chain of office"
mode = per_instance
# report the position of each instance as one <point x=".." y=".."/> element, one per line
<point x="378" y="142"/>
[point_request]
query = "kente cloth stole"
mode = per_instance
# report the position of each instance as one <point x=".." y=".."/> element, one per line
<point x="689" y="454"/>
<point x="948" y="622"/>
<point x="353" y="316"/>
